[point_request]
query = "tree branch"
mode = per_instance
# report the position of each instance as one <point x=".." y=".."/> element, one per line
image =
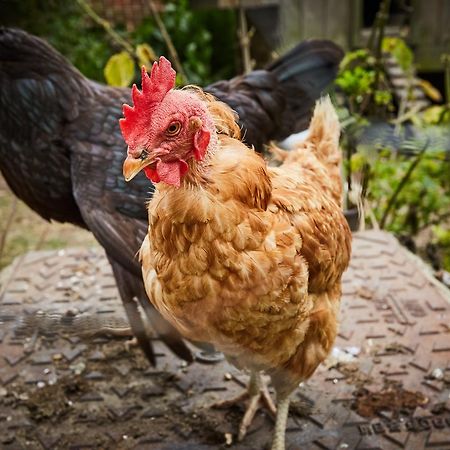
<point x="244" y="39"/>
<point x="107" y="27"/>
<point x="446" y="62"/>
<point x="168" y="41"/>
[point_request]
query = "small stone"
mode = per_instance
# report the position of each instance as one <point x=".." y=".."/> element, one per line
<point x="228" y="439"/>
<point x="78" y="368"/>
<point x="40" y="384"/>
<point x="437" y="374"/>
<point x="57" y="357"/>
<point x="3" y="392"/>
<point x="228" y="377"/>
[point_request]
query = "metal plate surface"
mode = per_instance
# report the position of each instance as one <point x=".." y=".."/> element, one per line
<point x="386" y="385"/>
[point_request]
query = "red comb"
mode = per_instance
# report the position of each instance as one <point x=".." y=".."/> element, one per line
<point x="154" y="89"/>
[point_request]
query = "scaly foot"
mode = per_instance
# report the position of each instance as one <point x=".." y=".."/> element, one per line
<point x="258" y="395"/>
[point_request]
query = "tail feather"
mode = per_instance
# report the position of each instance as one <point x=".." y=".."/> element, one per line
<point x="311" y="54"/>
<point x="278" y="101"/>
<point x="324" y="132"/>
<point x="304" y="72"/>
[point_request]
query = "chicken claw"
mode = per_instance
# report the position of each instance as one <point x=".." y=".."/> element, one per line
<point x="258" y="394"/>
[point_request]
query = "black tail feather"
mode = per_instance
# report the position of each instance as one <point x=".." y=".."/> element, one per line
<point x="278" y="101"/>
<point x="304" y="73"/>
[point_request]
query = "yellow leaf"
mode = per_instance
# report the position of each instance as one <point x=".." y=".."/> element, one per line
<point x="430" y="90"/>
<point x="146" y="55"/>
<point x="433" y="114"/>
<point x="119" y="70"/>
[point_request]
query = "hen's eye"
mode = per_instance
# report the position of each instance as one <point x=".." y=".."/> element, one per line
<point x="173" y="129"/>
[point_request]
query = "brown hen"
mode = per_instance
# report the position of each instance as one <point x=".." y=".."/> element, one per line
<point x="238" y="254"/>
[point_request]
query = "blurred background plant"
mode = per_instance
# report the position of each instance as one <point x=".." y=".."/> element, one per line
<point x="397" y="143"/>
<point x="71" y="30"/>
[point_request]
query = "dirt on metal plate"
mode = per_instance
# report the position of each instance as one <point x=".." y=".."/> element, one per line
<point x="386" y="385"/>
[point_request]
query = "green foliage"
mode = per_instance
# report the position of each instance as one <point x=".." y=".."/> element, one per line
<point x="442" y="239"/>
<point x="442" y="235"/>
<point x="356" y="82"/>
<point x="383" y="98"/>
<point x="423" y="199"/>
<point x="191" y="39"/>
<point x="194" y="35"/>
<point x="87" y="45"/>
<point x="407" y="189"/>
<point x="416" y="203"/>
<point x="363" y="82"/>
<point x="63" y="24"/>
<point x="436" y="115"/>
<point x="355" y="57"/>
<point x="400" y="50"/>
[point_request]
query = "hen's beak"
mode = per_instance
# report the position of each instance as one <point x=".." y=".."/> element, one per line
<point x="132" y="166"/>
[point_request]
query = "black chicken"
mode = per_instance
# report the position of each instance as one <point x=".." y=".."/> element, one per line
<point x="61" y="150"/>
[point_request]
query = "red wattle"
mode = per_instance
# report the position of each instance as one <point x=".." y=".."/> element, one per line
<point x="152" y="174"/>
<point x="169" y="172"/>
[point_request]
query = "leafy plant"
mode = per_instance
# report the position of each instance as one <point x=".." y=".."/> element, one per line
<point x="396" y="173"/>
<point x="362" y="83"/>
<point x="67" y="26"/>
<point x="404" y="180"/>
<point x="442" y="239"/>
<point x="423" y="200"/>
<point x="440" y="114"/>
<point x="191" y="33"/>
<point x="398" y="48"/>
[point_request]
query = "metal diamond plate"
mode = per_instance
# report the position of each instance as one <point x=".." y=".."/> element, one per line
<point x="386" y="385"/>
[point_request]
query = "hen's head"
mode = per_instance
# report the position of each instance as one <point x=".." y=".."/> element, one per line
<point x="165" y="128"/>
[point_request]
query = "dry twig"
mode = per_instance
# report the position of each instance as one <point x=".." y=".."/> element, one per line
<point x="107" y="27"/>
<point x="168" y="41"/>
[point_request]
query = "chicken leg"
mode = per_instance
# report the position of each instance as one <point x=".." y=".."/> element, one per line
<point x="278" y="441"/>
<point x="257" y="393"/>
